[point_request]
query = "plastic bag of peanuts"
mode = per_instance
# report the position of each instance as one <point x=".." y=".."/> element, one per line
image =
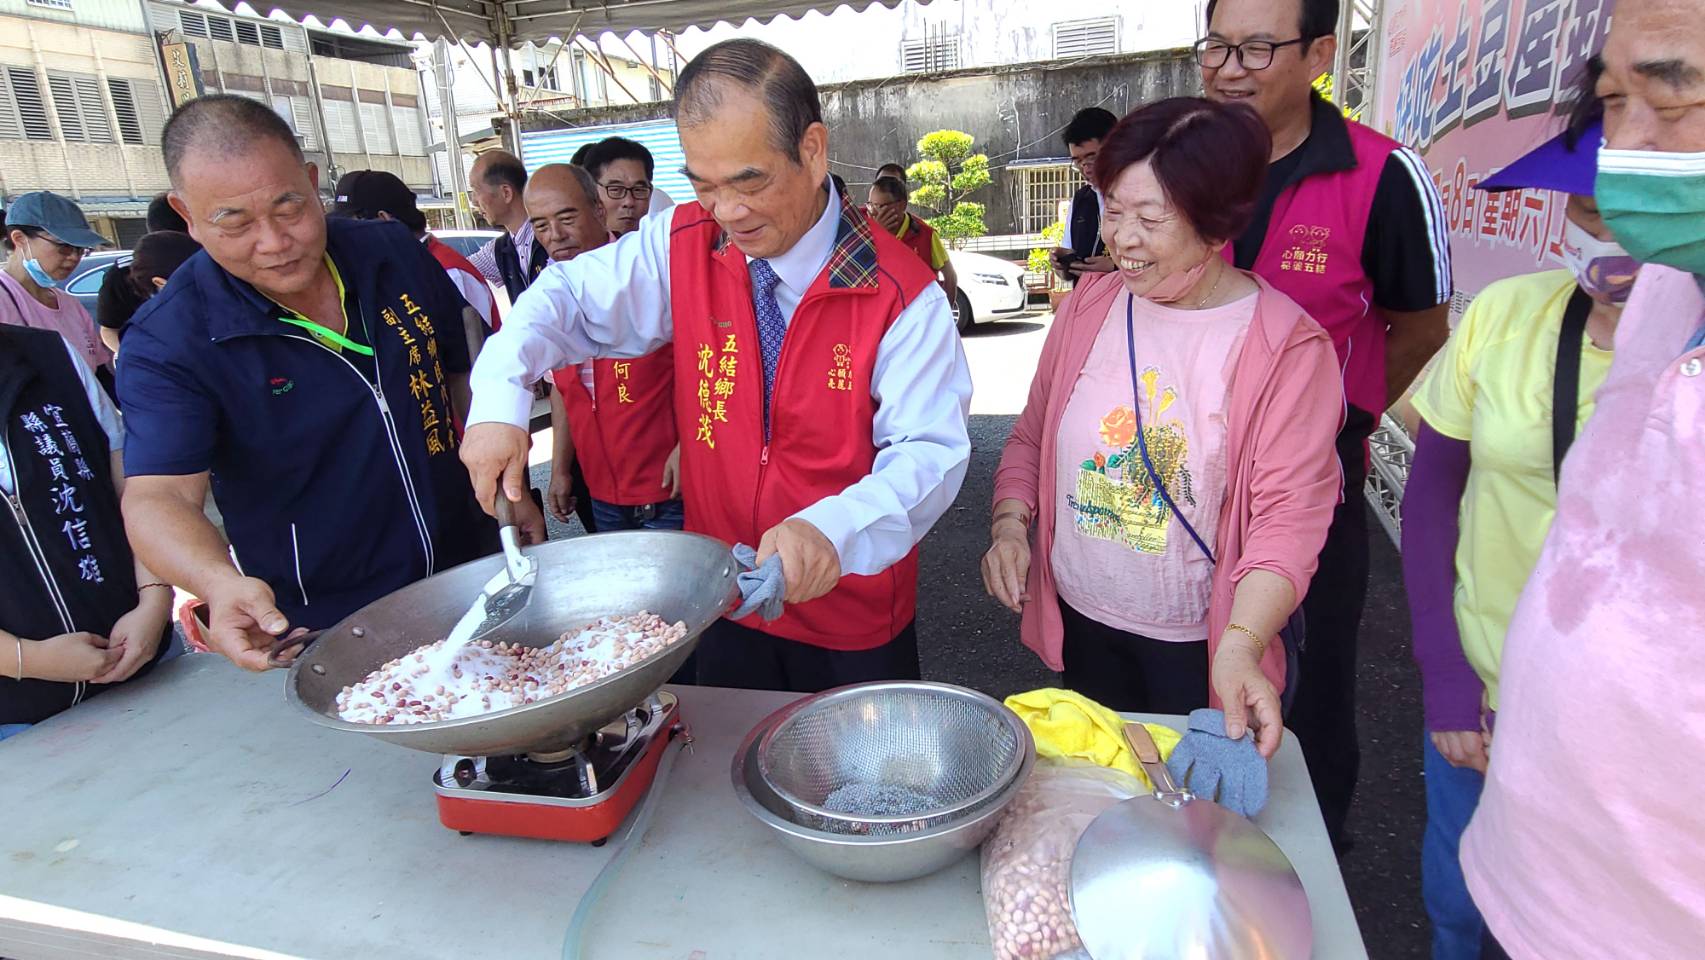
<point x="1027" y="863"/>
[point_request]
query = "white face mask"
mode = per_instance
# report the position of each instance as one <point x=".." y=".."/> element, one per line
<point x="1602" y="267"/>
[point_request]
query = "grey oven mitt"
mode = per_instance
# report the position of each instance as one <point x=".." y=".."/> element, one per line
<point x="1230" y="772"/>
<point x="761" y="588"/>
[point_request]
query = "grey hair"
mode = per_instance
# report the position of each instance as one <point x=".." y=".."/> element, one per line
<point x="224" y="122"/>
<point x="779" y="81"/>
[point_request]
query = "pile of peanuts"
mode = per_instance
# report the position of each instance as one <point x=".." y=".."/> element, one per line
<point x="427" y="685"/>
<point x="1027" y="864"/>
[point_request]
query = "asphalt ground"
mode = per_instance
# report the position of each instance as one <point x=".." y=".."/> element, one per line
<point x="965" y="637"/>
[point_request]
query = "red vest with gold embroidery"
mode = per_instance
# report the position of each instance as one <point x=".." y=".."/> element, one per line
<point x="1313" y="253"/>
<point x="625" y="429"/>
<point x="736" y="482"/>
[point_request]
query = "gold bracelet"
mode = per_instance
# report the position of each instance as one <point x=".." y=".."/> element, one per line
<point x="1260" y="644"/>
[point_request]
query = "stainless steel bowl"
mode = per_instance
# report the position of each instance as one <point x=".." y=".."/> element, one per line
<point x="873" y="859"/>
<point x="890" y="757"/>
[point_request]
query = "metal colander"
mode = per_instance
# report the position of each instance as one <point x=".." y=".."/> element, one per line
<point x="891" y="757"/>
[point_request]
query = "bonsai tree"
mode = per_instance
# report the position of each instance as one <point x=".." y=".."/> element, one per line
<point x="949" y="173"/>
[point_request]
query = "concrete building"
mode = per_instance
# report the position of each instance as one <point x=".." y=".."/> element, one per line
<point x="83" y="97"/>
<point x="913" y="38"/>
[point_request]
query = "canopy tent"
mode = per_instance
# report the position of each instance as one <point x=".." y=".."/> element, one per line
<point x="504" y="23"/>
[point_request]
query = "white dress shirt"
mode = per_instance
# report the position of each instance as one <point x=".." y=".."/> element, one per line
<point x="614" y="302"/>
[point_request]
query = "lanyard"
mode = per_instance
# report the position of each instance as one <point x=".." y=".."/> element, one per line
<point x="326" y="333"/>
<point x="1142" y="444"/>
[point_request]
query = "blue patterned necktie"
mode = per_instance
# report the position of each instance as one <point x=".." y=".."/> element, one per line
<point x="771" y="326"/>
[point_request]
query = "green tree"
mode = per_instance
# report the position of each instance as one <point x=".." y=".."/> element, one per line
<point x="949" y="173"/>
<point x="1040" y="260"/>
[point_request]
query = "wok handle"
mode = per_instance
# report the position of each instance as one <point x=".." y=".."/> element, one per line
<point x="1142" y="744"/>
<point x="294" y="640"/>
<point x="505" y="511"/>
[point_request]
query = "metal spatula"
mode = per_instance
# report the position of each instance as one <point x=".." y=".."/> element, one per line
<point x="506" y="594"/>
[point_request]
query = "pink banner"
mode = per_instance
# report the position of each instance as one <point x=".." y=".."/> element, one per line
<point x="1471" y="85"/>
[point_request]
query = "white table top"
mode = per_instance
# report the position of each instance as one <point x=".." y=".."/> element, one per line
<point x="192" y="814"/>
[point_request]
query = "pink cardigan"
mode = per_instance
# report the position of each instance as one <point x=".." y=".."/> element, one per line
<point x="1282" y="483"/>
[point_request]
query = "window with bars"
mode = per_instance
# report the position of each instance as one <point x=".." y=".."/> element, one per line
<point x="930" y="54"/>
<point x="50" y="4"/>
<point x="77" y="102"/>
<point x="193" y="24"/>
<point x="220" y="28"/>
<point x="1042" y="189"/>
<point x="137" y="104"/>
<point x="302" y="109"/>
<point x="23" y="115"/>
<point x="1086" y="38"/>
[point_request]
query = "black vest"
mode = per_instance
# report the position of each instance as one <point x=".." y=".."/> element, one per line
<point x="513" y="281"/>
<point x="65" y="564"/>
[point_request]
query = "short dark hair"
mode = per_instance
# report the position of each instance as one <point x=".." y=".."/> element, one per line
<point x="882" y="171"/>
<point x="894" y="187"/>
<point x="1319" y="18"/>
<point x="779" y="81"/>
<point x="580" y="155"/>
<point x="608" y="151"/>
<point x="161" y="216"/>
<point x="28" y="231"/>
<point x="1090" y="123"/>
<point x="1210" y="158"/>
<point x="223" y="122"/>
<point x="505" y="168"/>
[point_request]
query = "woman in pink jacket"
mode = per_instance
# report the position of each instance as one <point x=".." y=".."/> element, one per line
<point x="1173" y="471"/>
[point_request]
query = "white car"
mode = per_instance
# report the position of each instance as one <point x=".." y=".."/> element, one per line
<point x="987" y="286"/>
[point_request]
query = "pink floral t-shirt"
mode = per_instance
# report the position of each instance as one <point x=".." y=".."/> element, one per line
<point x="1120" y="556"/>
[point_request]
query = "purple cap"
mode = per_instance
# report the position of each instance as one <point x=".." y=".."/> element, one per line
<point x="1553" y="166"/>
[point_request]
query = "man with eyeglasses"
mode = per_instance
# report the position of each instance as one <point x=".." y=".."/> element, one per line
<point x="889" y="205"/>
<point x="1350" y="226"/>
<point x="623" y="170"/>
<point x="1084" y="251"/>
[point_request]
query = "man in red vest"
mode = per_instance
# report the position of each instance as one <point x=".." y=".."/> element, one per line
<point x="888" y="203"/>
<point x="820" y="390"/>
<point x="617" y="415"/>
<point x="1351" y="227"/>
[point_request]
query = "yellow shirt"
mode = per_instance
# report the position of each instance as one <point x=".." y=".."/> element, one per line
<point x="1491" y="387"/>
<point x="937" y="251"/>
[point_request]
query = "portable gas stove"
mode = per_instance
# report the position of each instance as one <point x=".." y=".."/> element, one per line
<point x="581" y="794"/>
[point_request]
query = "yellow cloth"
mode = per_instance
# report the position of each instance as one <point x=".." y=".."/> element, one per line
<point x="1491" y="387"/>
<point x="1072" y="726"/>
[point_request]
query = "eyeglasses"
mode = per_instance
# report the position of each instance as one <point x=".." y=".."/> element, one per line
<point x="1251" y="54"/>
<point x="619" y="191"/>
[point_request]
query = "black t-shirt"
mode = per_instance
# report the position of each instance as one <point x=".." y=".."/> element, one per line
<point x="1400" y="254"/>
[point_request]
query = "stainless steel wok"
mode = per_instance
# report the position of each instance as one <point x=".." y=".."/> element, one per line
<point x="678" y="576"/>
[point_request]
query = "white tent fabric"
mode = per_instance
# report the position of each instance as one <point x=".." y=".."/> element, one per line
<point x="509" y="22"/>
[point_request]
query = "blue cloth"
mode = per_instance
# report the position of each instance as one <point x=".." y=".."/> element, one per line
<point x="13" y="729"/>
<point x="762" y="589"/>
<point x="1232" y="773"/>
<point x="1452" y="795"/>
<point x="331" y="498"/>
<point x="772" y="326"/>
<point x="668" y="515"/>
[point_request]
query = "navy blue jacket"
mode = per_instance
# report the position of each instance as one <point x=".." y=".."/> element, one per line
<point x="334" y="490"/>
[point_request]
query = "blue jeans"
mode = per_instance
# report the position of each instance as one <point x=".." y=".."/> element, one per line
<point x="668" y="515"/>
<point x="1452" y="795"/>
<point x="13" y="729"/>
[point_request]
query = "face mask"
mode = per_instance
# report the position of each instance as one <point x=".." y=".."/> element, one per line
<point x="32" y="266"/>
<point x="1655" y="204"/>
<point x="1602" y="268"/>
<point x="1173" y="287"/>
